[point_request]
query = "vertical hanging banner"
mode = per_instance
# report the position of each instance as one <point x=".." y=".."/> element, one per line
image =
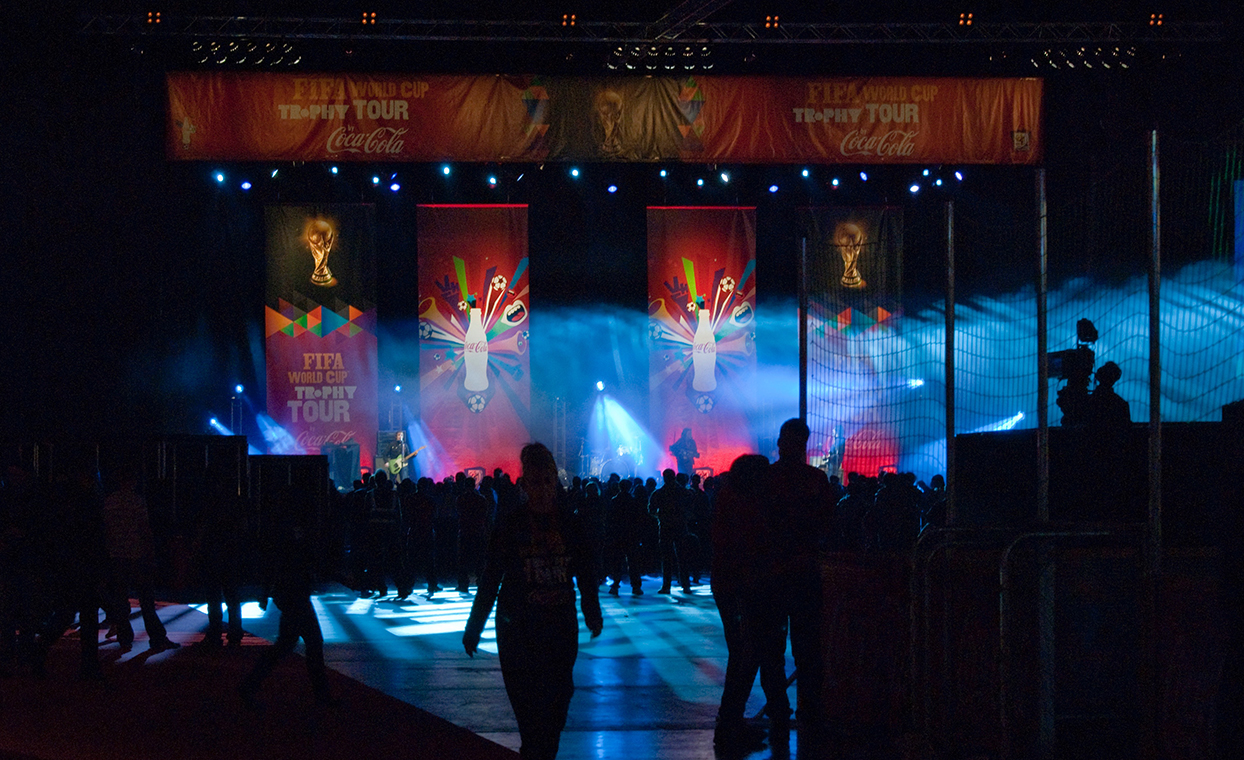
<point x="701" y="326"/>
<point x="853" y="278"/>
<point x="320" y="327"/>
<point x="475" y="381"/>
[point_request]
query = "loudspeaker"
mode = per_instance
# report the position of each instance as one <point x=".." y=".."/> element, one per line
<point x="343" y="463"/>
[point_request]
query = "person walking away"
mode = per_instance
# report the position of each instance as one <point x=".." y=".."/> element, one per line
<point x="535" y="556"/>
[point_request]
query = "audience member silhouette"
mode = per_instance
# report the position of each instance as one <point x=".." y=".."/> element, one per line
<point x="131" y="553"/>
<point x="536" y="554"/>
<point x="742" y="582"/>
<point x="669" y="505"/>
<point x="473" y="520"/>
<point x="77" y="565"/>
<point x="624" y="524"/>
<point x="289" y="570"/>
<point x="383" y="545"/>
<point x="419" y="509"/>
<point x="798" y="519"/>
<point x="219" y="546"/>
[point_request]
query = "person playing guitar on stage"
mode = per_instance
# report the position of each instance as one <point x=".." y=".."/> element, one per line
<point x="397" y="463"/>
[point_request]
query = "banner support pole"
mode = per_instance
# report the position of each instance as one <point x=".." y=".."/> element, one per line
<point x="803" y="329"/>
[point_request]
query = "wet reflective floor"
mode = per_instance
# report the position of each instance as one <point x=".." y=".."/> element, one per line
<point x="647" y="688"/>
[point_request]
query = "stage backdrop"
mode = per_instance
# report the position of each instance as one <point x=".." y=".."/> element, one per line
<point x="320" y="322"/>
<point x="475" y="383"/>
<point x="853" y="276"/>
<point x="701" y="324"/>
<point x="394" y="117"/>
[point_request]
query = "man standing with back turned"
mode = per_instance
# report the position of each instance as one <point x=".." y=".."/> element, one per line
<point x="800" y="514"/>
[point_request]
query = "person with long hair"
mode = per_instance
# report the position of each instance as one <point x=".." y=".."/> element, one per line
<point x="536" y="553"/>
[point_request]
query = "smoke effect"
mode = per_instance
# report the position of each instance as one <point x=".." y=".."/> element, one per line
<point x="1202" y="319"/>
<point x="896" y="377"/>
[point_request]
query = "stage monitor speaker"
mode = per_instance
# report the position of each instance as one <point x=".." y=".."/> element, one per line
<point x="343" y="463"/>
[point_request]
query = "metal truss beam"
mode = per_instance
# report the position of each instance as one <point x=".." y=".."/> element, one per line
<point x="635" y="33"/>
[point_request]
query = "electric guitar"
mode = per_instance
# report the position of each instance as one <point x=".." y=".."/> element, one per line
<point x="395" y="465"/>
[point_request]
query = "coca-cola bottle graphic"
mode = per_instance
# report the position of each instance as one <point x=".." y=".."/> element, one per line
<point x="476" y="356"/>
<point x="704" y="354"/>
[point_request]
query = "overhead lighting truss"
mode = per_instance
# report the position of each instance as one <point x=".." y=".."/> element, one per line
<point x="639" y="33"/>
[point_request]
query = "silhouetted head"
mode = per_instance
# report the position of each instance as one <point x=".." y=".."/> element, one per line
<point x="1109" y="374"/>
<point x="668" y="475"/>
<point x="539" y="477"/>
<point x="793" y="439"/>
<point x="746" y="476"/>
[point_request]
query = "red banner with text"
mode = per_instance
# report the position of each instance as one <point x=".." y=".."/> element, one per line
<point x="475" y="380"/>
<point x="394" y="117"/>
<point x="701" y="324"/>
<point x="320" y="327"/>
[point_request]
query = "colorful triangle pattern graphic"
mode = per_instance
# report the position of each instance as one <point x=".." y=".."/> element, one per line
<point x="320" y="321"/>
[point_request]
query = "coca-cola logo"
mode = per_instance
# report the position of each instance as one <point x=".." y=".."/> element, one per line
<point x="894" y="143"/>
<point x="707" y="347"/>
<point x="381" y="140"/>
<point x="310" y="441"/>
<point x="476" y="347"/>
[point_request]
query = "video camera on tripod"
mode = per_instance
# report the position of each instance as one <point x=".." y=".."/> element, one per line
<point x="1075" y="365"/>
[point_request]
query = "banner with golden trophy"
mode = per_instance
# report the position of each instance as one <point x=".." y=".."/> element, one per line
<point x="853" y="280"/>
<point x="320" y="326"/>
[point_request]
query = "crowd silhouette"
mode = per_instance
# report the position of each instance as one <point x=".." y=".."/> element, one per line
<point x="83" y="541"/>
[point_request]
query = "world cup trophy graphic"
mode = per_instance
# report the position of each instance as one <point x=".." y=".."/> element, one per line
<point x="849" y="239"/>
<point x="320" y="235"/>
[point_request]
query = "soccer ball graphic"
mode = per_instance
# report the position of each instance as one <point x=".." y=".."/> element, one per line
<point x="704" y="403"/>
<point x="727" y="284"/>
<point x="425" y="330"/>
<point x="499" y="283"/>
<point x="476" y="403"/>
<point x="462" y="306"/>
<point x="655" y="332"/>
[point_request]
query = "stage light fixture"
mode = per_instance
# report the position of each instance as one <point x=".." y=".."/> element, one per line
<point x="959" y="176"/>
<point x="804" y="172"/>
<point x="492" y="181"/>
<point x="395" y="187"/>
<point x="574" y="171"/>
<point x="333" y="170"/>
<point x="397" y="389"/>
<point x="600" y="385"/>
<point x="238" y="389"/>
<point x="700" y="182"/>
<point x="925" y="173"/>
<point x="965" y="19"/>
<point x="612" y="188"/>
<point x="773" y="188"/>
<point x="246" y="185"/>
<point x="369" y="19"/>
<point x="445" y="170"/>
<point x="863" y="176"/>
<point x="664" y="174"/>
<point x="725" y="177"/>
<point x="938" y="182"/>
<point x="914" y="189"/>
<point x="375" y="180"/>
<point x="153" y="17"/>
<point x="915" y="383"/>
<point x="834" y="182"/>
<point x="220" y="177"/>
